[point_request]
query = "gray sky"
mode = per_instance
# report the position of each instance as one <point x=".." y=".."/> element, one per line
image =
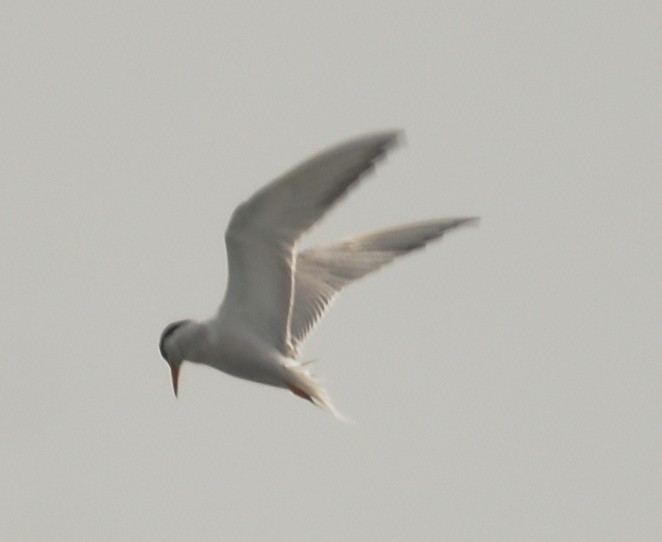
<point x="506" y="382"/>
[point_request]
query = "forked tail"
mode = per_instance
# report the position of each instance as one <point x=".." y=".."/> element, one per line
<point x="301" y="383"/>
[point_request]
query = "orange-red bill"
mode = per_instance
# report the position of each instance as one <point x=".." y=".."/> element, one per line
<point x="174" y="371"/>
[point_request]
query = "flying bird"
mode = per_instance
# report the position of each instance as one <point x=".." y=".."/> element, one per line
<point x="276" y="293"/>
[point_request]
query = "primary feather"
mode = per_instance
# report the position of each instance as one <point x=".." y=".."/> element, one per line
<point x="322" y="272"/>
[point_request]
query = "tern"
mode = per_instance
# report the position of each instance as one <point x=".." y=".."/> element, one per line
<point x="276" y="293"/>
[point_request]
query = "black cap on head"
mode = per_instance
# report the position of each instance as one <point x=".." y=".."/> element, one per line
<point x="169" y="330"/>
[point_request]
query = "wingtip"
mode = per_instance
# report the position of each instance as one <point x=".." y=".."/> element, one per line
<point x="385" y="138"/>
<point x="396" y="136"/>
<point x="469" y="221"/>
<point x="446" y="224"/>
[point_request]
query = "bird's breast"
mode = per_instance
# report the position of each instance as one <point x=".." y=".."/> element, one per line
<point x="242" y="355"/>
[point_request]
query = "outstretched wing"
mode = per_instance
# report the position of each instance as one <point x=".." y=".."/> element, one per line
<point x="322" y="272"/>
<point x="263" y="231"/>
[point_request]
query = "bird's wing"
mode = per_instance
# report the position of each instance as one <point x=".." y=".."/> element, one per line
<point x="322" y="272"/>
<point x="262" y="233"/>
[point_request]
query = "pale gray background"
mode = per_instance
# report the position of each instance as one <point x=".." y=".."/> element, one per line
<point x="506" y="383"/>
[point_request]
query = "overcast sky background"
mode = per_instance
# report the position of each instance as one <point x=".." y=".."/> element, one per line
<point x="506" y="382"/>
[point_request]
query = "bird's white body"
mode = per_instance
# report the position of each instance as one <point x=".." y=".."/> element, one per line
<point x="276" y="293"/>
<point x="234" y="350"/>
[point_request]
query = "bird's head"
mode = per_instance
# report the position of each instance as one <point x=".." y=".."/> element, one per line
<point x="170" y="351"/>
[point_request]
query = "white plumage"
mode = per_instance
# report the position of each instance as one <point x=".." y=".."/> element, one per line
<point x="275" y="295"/>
